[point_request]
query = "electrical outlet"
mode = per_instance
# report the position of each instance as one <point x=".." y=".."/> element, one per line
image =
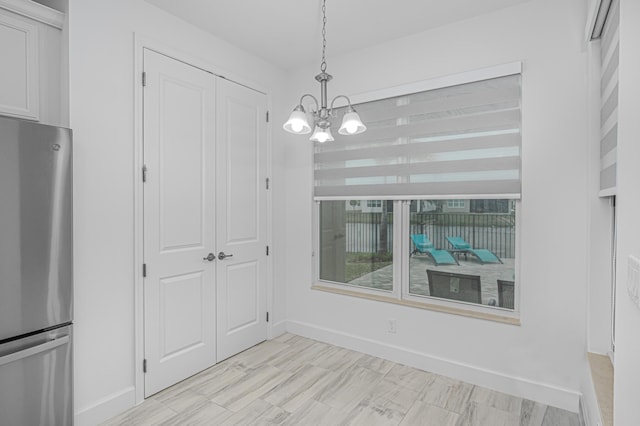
<point x="391" y="326"/>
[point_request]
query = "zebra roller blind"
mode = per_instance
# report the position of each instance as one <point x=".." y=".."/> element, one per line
<point x="459" y="141"/>
<point x="609" y="55"/>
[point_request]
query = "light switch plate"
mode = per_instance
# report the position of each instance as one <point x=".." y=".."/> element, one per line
<point x="633" y="279"/>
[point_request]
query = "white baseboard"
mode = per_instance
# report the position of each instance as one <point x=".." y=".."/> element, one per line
<point x="583" y="414"/>
<point x="105" y="408"/>
<point x="278" y="329"/>
<point x="120" y="401"/>
<point x="589" y="402"/>
<point x="544" y="393"/>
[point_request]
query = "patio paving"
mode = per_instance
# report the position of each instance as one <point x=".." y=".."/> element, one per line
<point x="418" y="284"/>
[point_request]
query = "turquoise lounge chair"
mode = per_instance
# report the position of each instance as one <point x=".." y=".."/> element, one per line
<point x="424" y="245"/>
<point x="483" y="255"/>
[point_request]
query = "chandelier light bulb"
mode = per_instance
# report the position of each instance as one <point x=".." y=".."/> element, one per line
<point x="351" y="127"/>
<point x="296" y="126"/>
<point x="351" y="123"/>
<point x="321" y="135"/>
<point x="297" y="122"/>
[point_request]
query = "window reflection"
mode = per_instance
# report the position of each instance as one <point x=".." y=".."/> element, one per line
<point x="356" y="243"/>
<point x="463" y="250"/>
<point x="459" y="249"/>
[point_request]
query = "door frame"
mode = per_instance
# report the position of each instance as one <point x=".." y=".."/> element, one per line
<point x="142" y="42"/>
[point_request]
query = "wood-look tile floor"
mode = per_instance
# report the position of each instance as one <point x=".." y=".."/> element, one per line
<point x="292" y="380"/>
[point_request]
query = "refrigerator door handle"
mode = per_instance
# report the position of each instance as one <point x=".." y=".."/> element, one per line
<point x="47" y="346"/>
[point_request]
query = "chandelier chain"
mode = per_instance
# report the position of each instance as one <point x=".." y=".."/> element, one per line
<point x="323" y="64"/>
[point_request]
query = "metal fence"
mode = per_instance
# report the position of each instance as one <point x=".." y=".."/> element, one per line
<point x="492" y="231"/>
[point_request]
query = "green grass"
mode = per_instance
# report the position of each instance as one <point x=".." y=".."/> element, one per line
<point x="442" y="219"/>
<point x="359" y="264"/>
<point x="375" y="218"/>
<point x="465" y="219"/>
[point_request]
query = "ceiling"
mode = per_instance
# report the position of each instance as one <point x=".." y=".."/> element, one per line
<point x="287" y="33"/>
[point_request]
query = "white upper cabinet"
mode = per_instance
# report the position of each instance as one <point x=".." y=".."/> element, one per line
<point x="31" y="83"/>
<point x="19" y="73"/>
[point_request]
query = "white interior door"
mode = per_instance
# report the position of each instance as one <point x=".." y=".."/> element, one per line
<point x="179" y="221"/>
<point x="241" y="218"/>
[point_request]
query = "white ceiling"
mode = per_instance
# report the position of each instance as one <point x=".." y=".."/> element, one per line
<point x="287" y="33"/>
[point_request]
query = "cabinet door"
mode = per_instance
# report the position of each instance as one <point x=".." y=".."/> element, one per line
<point x="19" y="70"/>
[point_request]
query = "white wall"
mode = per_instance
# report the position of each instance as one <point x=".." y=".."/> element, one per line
<point x="544" y="358"/>
<point x="102" y="117"/>
<point x="627" y="365"/>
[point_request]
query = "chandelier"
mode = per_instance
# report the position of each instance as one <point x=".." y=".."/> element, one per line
<point x="298" y="123"/>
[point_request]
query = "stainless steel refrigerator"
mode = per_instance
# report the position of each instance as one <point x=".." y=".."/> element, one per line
<point x="36" y="274"/>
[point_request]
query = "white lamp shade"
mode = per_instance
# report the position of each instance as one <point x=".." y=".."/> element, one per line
<point x="321" y="135"/>
<point x="351" y="124"/>
<point x="297" y="123"/>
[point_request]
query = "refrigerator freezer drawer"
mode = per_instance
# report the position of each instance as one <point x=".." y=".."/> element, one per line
<point x="36" y="380"/>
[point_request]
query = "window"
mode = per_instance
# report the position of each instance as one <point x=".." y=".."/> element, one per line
<point x="463" y="257"/>
<point x="467" y="257"/>
<point x="614" y="238"/>
<point x="609" y="59"/>
<point x="609" y="64"/>
<point x="455" y="204"/>
<point x="356" y="247"/>
<point x="437" y="179"/>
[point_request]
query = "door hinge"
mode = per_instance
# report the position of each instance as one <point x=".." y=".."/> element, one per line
<point x="144" y="270"/>
<point x="267" y="116"/>
<point x="267" y="316"/>
<point x="267" y="250"/>
<point x="267" y="182"/>
<point x="144" y="79"/>
<point x="144" y="173"/>
<point x="144" y="365"/>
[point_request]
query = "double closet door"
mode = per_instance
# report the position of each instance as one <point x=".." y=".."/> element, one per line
<point x="204" y="219"/>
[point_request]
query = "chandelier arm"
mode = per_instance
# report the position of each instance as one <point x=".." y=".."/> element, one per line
<point x="312" y="97"/>
<point x="338" y="97"/>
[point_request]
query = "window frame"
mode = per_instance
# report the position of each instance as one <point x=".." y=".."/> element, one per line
<point x="456" y="203"/>
<point x="395" y="293"/>
<point x="428" y="300"/>
<point x="400" y="290"/>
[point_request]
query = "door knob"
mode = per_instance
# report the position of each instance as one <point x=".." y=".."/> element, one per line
<point x="211" y="257"/>
<point x="222" y="256"/>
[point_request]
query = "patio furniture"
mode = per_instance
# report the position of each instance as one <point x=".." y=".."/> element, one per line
<point x="451" y="286"/>
<point x="424" y="245"/>
<point x="505" y="294"/>
<point x="483" y="255"/>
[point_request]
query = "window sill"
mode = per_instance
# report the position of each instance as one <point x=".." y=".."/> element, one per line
<point x="602" y="377"/>
<point x="422" y="305"/>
